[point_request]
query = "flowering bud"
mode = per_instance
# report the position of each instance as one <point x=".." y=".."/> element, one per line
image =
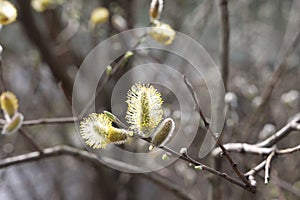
<point x="163" y="133"/>
<point x="144" y="111"/>
<point x="14" y="124"/>
<point x="9" y="104"/>
<point x="99" y="16"/>
<point x="8" y="13"/>
<point x="97" y="131"/>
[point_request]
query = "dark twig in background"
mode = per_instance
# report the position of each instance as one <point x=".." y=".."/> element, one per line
<point x="224" y="39"/>
<point x="291" y="40"/>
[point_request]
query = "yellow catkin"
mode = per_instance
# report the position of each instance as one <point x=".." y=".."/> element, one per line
<point x="97" y="131"/>
<point x="144" y="111"/>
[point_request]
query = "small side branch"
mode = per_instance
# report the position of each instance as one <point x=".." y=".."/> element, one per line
<point x="268" y="166"/>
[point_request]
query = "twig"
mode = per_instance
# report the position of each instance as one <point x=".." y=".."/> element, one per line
<point x="268" y="166"/>
<point x="78" y="153"/>
<point x="288" y="151"/>
<point x="264" y="147"/>
<point x="35" y="35"/>
<point x="256" y="169"/>
<point x="31" y="140"/>
<point x="282" y="133"/>
<point x="243" y="148"/>
<point x="287" y="48"/>
<point x="41" y="121"/>
<point x="191" y="89"/>
<point x="115" y="69"/>
<point x="227" y="156"/>
<point x="224" y="37"/>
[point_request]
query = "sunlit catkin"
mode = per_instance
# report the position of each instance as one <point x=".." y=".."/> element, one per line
<point x="97" y="131"/>
<point x="144" y="111"/>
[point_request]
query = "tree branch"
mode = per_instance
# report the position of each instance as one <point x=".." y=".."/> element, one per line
<point x="224" y="37"/>
<point x="34" y="34"/>
<point x="292" y="37"/>
<point x="228" y="157"/>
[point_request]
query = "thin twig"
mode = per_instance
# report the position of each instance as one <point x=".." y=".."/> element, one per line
<point x="41" y="121"/>
<point x="292" y="38"/>
<point x="35" y="35"/>
<point x="268" y="166"/>
<point x="278" y="152"/>
<point x="115" y="69"/>
<point x="224" y="37"/>
<point x="78" y="153"/>
<point x="256" y="169"/>
<point x="227" y="156"/>
<point x="264" y="147"/>
<point x="288" y="151"/>
<point x="31" y="140"/>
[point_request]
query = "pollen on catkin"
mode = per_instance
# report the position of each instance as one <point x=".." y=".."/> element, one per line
<point x="144" y="111"/>
<point x="97" y="131"/>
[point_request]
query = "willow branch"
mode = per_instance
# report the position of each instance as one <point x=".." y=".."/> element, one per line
<point x="225" y="152"/>
<point x="268" y="166"/>
<point x="224" y="37"/>
<point x="264" y="147"/>
<point x="84" y="155"/>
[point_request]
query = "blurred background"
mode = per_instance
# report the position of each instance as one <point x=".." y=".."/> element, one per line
<point x="44" y="48"/>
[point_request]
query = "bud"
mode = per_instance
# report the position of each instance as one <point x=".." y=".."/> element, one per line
<point x="155" y="10"/>
<point x="14" y="124"/>
<point x="8" y="13"/>
<point x="183" y="151"/>
<point x="165" y="157"/>
<point x="163" y="133"/>
<point x="99" y="16"/>
<point x="108" y="70"/>
<point x="41" y="5"/>
<point x="111" y="116"/>
<point x="198" y="168"/>
<point x="128" y="55"/>
<point x="9" y="104"/>
<point x="162" y="33"/>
